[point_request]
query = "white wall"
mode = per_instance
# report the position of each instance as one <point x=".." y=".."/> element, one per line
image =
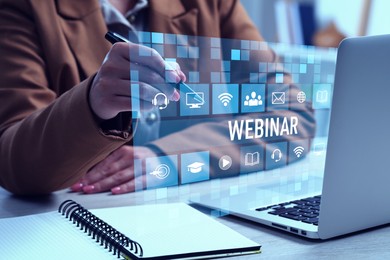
<point x="345" y="13"/>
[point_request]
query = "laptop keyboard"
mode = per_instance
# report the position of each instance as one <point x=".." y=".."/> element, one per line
<point x="306" y="210"/>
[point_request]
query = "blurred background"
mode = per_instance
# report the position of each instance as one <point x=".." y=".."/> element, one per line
<point x="318" y="22"/>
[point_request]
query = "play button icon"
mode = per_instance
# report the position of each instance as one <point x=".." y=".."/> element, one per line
<point x="225" y="162"/>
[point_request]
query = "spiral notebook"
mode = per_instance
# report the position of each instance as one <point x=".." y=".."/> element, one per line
<point x="155" y="231"/>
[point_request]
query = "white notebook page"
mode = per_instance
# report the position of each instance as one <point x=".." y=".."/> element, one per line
<point x="46" y="236"/>
<point x="174" y="228"/>
<point x="161" y="229"/>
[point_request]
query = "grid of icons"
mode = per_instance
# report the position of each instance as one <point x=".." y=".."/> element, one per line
<point x="228" y="83"/>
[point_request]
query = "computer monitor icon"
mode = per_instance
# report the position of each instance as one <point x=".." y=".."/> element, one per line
<point x="192" y="101"/>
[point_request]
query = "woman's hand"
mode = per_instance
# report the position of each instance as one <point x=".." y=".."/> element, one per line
<point x="111" y="88"/>
<point x="115" y="172"/>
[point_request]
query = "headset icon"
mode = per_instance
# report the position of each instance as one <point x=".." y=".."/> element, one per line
<point x="164" y="99"/>
<point x="276" y="158"/>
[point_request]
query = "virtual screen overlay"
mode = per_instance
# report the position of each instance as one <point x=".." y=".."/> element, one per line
<point x="246" y="109"/>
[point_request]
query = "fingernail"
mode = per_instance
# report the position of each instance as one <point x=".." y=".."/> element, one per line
<point x="77" y="187"/>
<point x="176" y="95"/>
<point x="183" y="76"/>
<point x="88" y="189"/>
<point x="116" y="190"/>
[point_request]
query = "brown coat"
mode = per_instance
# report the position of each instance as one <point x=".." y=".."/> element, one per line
<point x="49" y="53"/>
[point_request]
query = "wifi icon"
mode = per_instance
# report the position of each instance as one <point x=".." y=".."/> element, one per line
<point x="225" y="98"/>
<point x="299" y="151"/>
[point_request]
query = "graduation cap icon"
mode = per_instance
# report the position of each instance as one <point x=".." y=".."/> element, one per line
<point x="195" y="167"/>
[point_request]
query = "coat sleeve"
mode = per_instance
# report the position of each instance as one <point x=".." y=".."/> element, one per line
<point x="48" y="139"/>
<point x="235" y="22"/>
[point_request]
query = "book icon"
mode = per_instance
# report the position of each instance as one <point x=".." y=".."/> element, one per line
<point x="252" y="159"/>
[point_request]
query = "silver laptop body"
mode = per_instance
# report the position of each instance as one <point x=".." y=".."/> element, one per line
<point x="355" y="189"/>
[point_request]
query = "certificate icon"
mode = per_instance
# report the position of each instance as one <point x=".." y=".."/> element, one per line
<point x="278" y="98"/>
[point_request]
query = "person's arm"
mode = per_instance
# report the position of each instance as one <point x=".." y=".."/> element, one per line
<point x="50" y="130"/>
<point x="46" y="142"/>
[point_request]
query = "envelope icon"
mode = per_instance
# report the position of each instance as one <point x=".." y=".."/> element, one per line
<point x="278" y="98"/>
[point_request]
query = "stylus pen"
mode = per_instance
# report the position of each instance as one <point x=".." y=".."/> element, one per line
<point x="115" y="37"/>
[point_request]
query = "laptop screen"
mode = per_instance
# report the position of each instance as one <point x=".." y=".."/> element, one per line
<point x="245" y="108"/>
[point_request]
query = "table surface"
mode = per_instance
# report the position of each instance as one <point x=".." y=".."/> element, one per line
<point x="372" y="243"/>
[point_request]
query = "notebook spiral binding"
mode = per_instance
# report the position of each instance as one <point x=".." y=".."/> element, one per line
<point x="102" y="232"/>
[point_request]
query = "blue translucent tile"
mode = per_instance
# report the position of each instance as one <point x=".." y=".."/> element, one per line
<point x="287" y="67"/>
<point x="182" y="51"/>
<point x="193" y="76"/>
<point x="245" y="44"/>
<point x="322" y="95"/>
<point x="161" y="172"/>
<point x="233" y="190"/>
<point x="157" y="37"/>
<point x="295" y="78"/>
<point x="225" y="98"/>
<point x="295" y="68"/>
<point x="279" y="78"/>
<point x="317" y="68"/>
<point x="307" y="90"/>
<point x="298" y="186"/>
<point x="182" y="40"/>
<point x="263" y="46"/>
<point x="254" y="45"/>
<point x="271" y="67"/>
<point x="302" y="68"/>
<point x="253" y="158"/>
<point x="225" y="65"/>
<point x="317" y="78"/>
<point x="254" y="77"/>
<point x="195" y="167"/>
<point x="245" y="55"/>
<point x="252" y="98"/>
<point x="310" y="59"/>
<point x="159" y="48"/>
<point x="215" y="42"/>
<point x="135" y="102"/>
<point x="262" y="67"/>
<point x="330" y="78"/>
<point x="167" y="65"/>
<point x="169" y="78"/>
<point x="189" y="105"/>
<point x="193" y="52"/>
<point x="144" y="37"/>
<point x="161" y="193"/>
<point x="215" y="53"/>
<point x="235" y="54"/>
<point x="262" y="77"/>
<point x="170" y="38"/>
<point x="276" y="155"/>
<point x="318" y="59"/>
<point x="226" y="76"/>
<point x="215" y="77"/>
<point x="143" y="52"/>
<point x="134" y="75"/>
<point x="288" y="58"/>
<point x="138" y="185"/>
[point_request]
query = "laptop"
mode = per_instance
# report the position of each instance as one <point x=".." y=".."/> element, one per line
<point x="355" y="184"/>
